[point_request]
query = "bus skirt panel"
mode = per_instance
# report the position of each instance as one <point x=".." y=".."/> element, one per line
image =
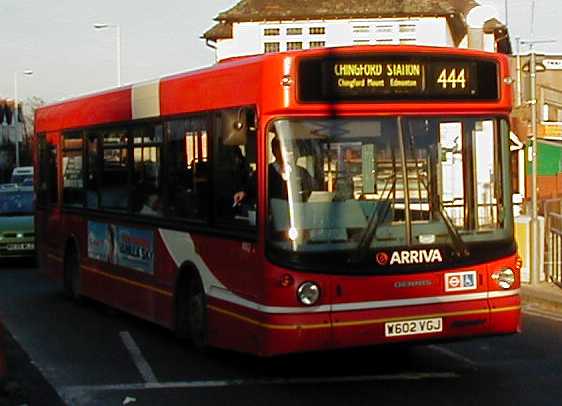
<point x="248" y="330"/>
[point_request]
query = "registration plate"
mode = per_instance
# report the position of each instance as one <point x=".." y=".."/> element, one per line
<point x="413" y="327"/>
<point x="18" y="247"/>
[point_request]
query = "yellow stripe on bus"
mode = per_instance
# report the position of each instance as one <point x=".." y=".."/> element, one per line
<point x="128" y="281"/>
<point x="54" y="257"/>
<point x="267" y="325"/>
<point x="358" y="322"/>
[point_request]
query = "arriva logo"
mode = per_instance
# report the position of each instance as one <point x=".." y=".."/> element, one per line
<point x="416" y="257"/>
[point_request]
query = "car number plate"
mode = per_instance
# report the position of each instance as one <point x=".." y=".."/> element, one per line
<point x="23" y="246"/>
<point x="413" y="327"/>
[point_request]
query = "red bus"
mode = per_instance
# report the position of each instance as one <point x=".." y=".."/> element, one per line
<point x="290" y="202"/>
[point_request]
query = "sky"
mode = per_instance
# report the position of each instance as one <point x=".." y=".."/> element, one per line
<point x="56" y="40"/>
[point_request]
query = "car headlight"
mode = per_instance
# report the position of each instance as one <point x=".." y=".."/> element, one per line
<point x="504" y="278"/>
<point x="308" y="293"/>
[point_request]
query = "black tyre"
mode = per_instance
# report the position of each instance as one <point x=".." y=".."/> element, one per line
<point x="191" y="313"/>
<point x="72" y="274"/>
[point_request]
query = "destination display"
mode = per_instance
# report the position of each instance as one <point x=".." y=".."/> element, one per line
<point x="396" y="78"/>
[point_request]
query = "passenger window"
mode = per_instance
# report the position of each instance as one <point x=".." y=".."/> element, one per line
<point x="52" y="174"/>
<point x="93" y="171"/>
<point x="114" y="193"/>
<point x="47" y="176"/>
<point x="73" y="188"/>
<point x="188" y="169"/>
<point x="235" y="179"/>
<point x="147" y="196"/>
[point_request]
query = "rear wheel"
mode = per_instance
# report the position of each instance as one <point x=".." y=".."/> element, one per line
<point x="72" y="274"/>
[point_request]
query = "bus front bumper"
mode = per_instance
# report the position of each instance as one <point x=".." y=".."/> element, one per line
<point x="272" y="334"/>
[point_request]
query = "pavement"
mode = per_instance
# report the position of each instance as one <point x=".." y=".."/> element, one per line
<point x="545" y="295"/>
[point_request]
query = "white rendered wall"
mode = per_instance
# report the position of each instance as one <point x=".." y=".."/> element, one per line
<point x="249" y="39"/>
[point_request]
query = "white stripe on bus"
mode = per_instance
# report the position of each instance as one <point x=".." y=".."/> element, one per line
<point x="227" y="296"/>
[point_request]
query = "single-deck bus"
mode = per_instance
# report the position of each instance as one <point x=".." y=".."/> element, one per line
<point x="290" y="202"/>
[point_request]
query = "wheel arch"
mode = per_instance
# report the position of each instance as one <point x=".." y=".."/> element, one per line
<point x="71" y="269"/>
<point x="187" y="272"/>
<point x="71" y="242"/>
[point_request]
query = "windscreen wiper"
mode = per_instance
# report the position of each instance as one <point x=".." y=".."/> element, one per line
<point x="375" y="220"/>
<point x="459" y="245"/>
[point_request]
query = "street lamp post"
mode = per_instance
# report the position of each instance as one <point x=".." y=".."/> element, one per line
<point x="518" y="71"/>
<point x="535" y="276"/>
<point x="535" y="248"/>
<point x="102" y="26"/>
<point x="15" y="118"/>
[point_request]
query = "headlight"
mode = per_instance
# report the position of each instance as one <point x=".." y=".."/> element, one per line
<point x="504" y="278"/>
<point x="308" y="293"/>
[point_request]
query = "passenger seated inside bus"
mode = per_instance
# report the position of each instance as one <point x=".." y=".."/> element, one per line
<point x="190" y="197"/>
<point x="146" y="197"/>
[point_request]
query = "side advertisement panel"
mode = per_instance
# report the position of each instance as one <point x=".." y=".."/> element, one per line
<point x="124" y="246"/>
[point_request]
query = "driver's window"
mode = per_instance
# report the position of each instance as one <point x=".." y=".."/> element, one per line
<point x="235" y="165"/>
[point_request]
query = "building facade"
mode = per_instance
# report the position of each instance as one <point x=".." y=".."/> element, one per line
<point x="549" y="124"/>
<point x="258" y="26"/>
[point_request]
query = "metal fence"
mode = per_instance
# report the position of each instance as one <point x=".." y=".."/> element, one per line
<point x="554" y="248"/>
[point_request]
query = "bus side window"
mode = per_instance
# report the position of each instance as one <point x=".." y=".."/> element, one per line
<point x="92" y="171"/>
<point x="51" y="173"/>
<point x="47" y="176"/>
<point x="72" y="174"/>
<point x="235" y="166"/>
<point x="114" y="193"/>
<point x="147" y="196"/>
<point x="188" y="192"/>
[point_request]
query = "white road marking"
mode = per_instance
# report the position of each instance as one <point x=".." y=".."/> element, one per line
<point x="73" y="391"/>
<point x="451" y="354"/>
<point x="532" y="310"/>
<point x="140" y="362"/>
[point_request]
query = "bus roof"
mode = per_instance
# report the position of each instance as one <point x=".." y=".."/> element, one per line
<point x="230" y="83"/>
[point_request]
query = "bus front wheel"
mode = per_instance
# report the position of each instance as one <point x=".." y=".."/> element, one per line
<point x="72" y="274"/>
<point x="191" y="313"/>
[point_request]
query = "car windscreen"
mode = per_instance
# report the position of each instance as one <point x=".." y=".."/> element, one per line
<point x="16" y="202"/>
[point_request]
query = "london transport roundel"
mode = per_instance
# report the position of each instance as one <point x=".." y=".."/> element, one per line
<point x="382" y="258"/>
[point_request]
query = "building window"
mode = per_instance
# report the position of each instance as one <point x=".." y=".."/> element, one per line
<point x="271" y="47"/>
<point x="384" y="28"/>
<point x="361" y="29"/>
<point x="294" y="31"/>
<point x="317" y="30"/>
<point x="407" y="28"/>
<point x="317" y="44"/>
<point x="292" y="46"/>
<point x="271" y="32"/>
